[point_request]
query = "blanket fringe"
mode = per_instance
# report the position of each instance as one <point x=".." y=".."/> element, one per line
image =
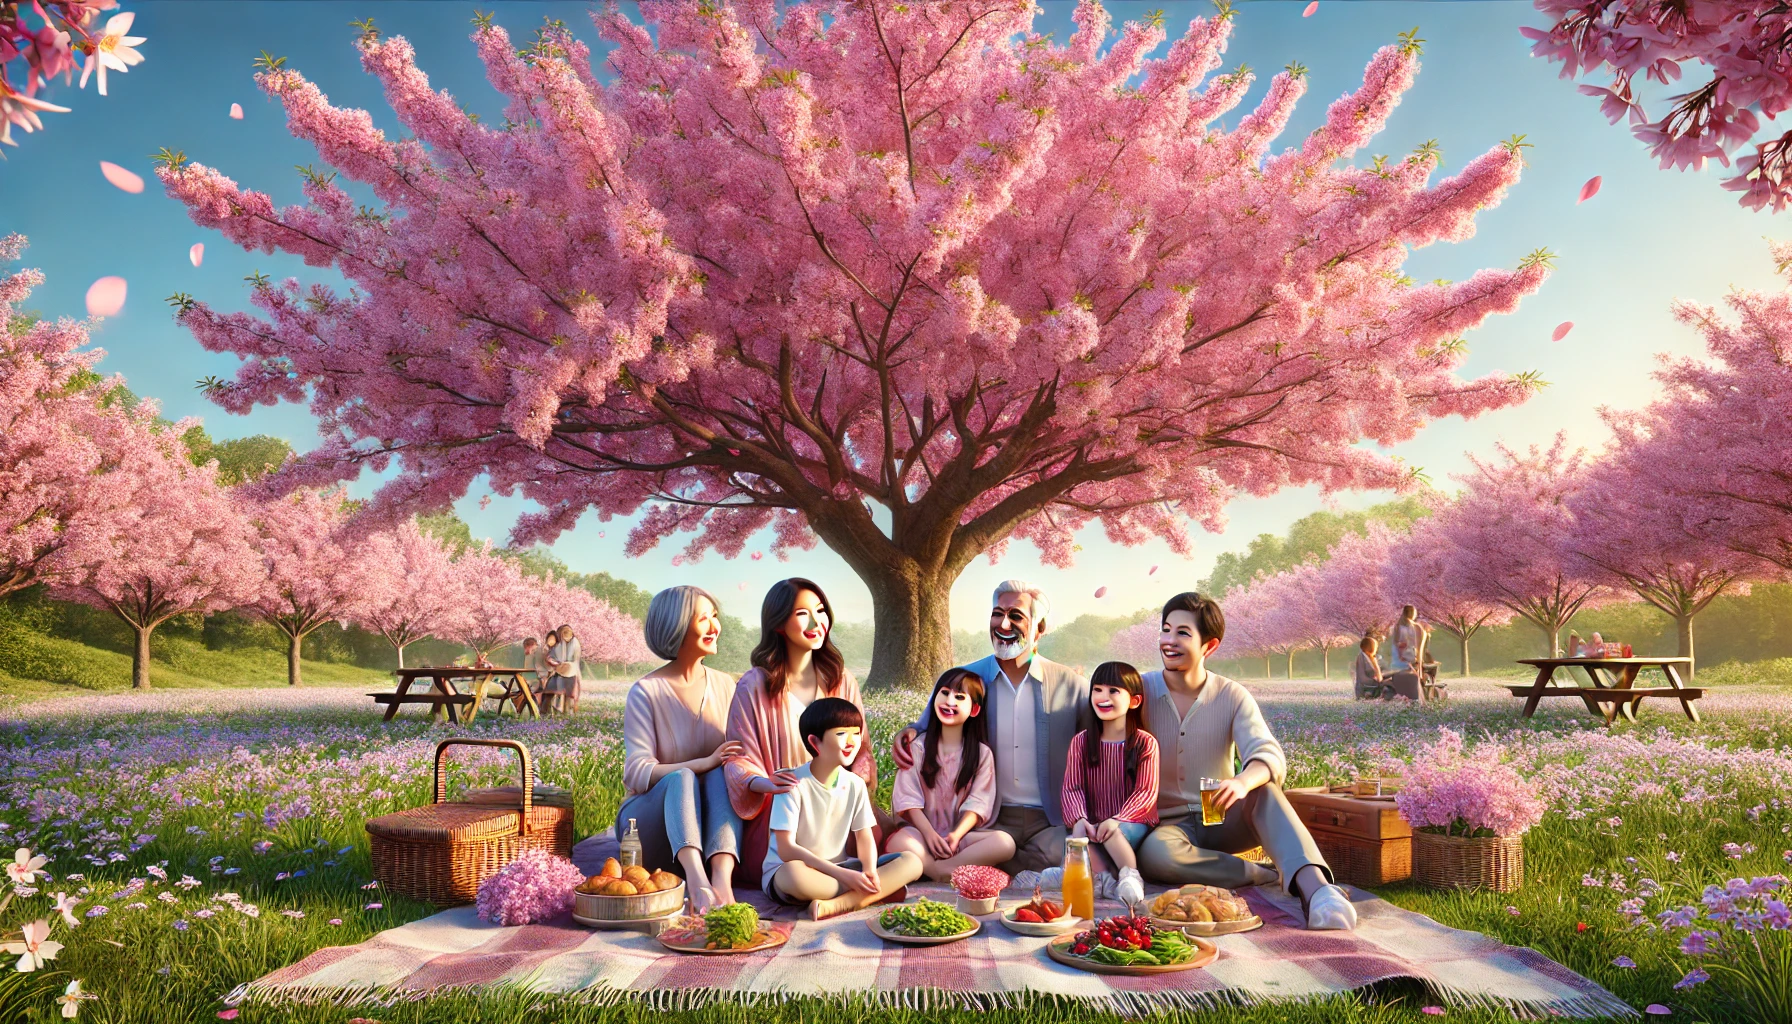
<point x="927" y="1000"/>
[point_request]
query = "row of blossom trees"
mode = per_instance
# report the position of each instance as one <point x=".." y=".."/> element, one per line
<point x="1690" y="500"/>
<point x="101" y="505"/>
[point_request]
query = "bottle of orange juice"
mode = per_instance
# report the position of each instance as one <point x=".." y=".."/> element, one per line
<point x="1079" y="880"/>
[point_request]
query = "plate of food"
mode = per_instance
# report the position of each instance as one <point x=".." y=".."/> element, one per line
<point x="924" y="922"/>
<point x="1204" y="910"/>
<point x="1040" y="916"/>
<point x="1131" y="945"/>
<point x="734" y="928"/>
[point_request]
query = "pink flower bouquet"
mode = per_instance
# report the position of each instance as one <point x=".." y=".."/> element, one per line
<point x="1456" y="792"/>
<point x="534" y="887"/>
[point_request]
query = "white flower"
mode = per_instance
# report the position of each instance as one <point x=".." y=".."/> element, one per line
<point x="113" y="50"/>
<point x="25" y="868"/>
<point x="36" y="948"/>
<point x="65" y="905"/>
<point x="71" y="999"/>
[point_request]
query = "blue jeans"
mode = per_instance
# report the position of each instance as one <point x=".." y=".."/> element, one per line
<point x="683" y="809"/>
<point x="1134" y="831"/>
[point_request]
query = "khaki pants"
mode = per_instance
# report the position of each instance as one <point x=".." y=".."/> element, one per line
<point x="1038" y="844"/>
<point x="1182" y="850"/>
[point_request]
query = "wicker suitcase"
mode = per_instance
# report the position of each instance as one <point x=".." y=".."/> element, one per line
<point x="440" y="853"/>
<point x="1365" y="841"/>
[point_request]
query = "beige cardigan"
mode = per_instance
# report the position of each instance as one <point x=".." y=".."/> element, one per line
<point x="657" y="727"/>
<point x="1223" y="730"/>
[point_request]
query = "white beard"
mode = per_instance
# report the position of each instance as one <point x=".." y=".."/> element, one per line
<point x="1009" y="652"/>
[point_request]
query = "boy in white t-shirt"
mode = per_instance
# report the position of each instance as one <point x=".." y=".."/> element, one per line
<point x="812" y="823"/>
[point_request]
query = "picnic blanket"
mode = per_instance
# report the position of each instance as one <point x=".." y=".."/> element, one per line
<point x="842" y="959"/>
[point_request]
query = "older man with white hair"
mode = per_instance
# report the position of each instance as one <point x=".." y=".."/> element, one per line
<point x="1035" y="707"/>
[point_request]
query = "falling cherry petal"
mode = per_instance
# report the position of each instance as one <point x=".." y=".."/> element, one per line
<point x="1657" y="1010"/>
<point x="105" y="297"/>
<point x="743" y="586"/>
<point x="1589" y="190"/>
<point x="757" y="555"/>
<point x="734" y="451"/>
<point x="1308" y="13"/>
<point x="196" y="255"/>
<point x="236" y="111"/>
<point x="1101" y="592"/>
<point x="1562" y="330"/>
<point x="125" y="180"/>
<point x="1152" y="571"/>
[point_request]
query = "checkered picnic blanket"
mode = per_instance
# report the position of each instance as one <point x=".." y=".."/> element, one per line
<point x="841" y="958"/>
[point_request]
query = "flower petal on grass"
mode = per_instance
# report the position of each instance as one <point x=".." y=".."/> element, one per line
<point x="1657" y="1010"/>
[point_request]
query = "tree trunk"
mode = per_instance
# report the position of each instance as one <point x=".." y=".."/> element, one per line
<point x="1291" y="664"/>
<point x="1463" y="640"/>
<point x="1683" y="636"/>
<point x="293" y="643"/>
<point x="140" y="658"/>
<point x="1267" y="674"/>
<point x="400" y="649"/>
<point x="1325" y="660"/>
<point x="911" y="629"/>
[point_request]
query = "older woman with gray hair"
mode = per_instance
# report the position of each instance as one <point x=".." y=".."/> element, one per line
<point x="674" y="746"/>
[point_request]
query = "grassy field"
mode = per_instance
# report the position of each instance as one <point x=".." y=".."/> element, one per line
<point x="263" y="794"/>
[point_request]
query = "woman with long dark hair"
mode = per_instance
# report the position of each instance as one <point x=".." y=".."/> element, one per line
<point x="794" y="665"/>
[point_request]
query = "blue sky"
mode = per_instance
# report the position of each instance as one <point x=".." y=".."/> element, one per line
<point x="1649" y="236"/>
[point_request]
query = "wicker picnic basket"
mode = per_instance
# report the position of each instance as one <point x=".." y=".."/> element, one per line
<point x="440" y="853"/>
<point x="1455" y="862"/>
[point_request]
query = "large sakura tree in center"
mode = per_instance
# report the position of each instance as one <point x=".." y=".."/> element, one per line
<point x="911" y="280"/>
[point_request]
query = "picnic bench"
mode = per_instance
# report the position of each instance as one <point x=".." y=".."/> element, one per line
<point x="444" y="696"/>
<point x="1613" y="684"/>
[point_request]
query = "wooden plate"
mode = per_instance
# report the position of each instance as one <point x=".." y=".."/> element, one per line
<point x="1059" y="950"/>
<point x="1068" y="922"/>
<point x="1249" y="924"/>
<point x="920" y="940"/>
<point x="770" y="937"/>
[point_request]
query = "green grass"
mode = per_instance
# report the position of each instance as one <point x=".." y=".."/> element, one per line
<point x="146" y="971"/>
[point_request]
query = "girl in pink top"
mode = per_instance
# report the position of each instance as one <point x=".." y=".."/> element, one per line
<point x="951" y="789"/>
<point x="1110" y="773"/>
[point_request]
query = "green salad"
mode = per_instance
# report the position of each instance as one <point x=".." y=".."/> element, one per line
<point x="1167" y="947"/>
<point x="923" y="918"/>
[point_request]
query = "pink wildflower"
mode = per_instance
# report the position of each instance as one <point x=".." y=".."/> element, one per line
<point x="534" y="887"/>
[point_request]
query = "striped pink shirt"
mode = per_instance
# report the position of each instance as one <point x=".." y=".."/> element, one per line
<point x="1099" y="793"/>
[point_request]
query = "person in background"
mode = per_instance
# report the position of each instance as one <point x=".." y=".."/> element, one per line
<point x="794" y="665"/>
<point x="1035" y="706"/>
<point x="563" y="658"/>
<point x="1408" y="640"/>
<point x="826" y="807"/>
<point x="949" y="795"/>
<point x="1366" y="672"/>
<point x="674" y="746"/>
<point x="1205" y="723"/>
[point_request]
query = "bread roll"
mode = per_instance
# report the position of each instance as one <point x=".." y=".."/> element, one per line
<point x="623" y="887"/>
<point x="665" y="880"/>
<point x="611" y="868"/>
<point x="636" y="873"/>
<point x="1193" y="910"/>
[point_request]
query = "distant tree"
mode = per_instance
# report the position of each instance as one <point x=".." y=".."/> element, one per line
<point x="499" y="605"/>
<point x="1350" y="586"/>
<point x="1087" y="639"/>
<point x="241" y="459"/>
<point x="1511" y="530"/>
<point x="1418" y="574"/>
<point x="1308" y="540"/>
<point x="179" y="543"/>
<point x="307" y="558"/>
<point x="407" y="586"/>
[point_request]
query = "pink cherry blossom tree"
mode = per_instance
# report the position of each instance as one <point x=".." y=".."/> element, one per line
<point x="1303" y="615"/>
<point x="1510" y="532"/>
<point x="499" y="605"/>
<point x="1745" y="48"/>
<point x="406" y="585"/>
<point x="178" y="543"/>
<point x="1418" y="574"/>
<point x="1137" y="644"/>
<point x="306" y="559"/>
<point x="1247" y="627"/>
<point x="1349" y="589"/>
<point x="606" y="635"/>
<point x="907" y="279"/>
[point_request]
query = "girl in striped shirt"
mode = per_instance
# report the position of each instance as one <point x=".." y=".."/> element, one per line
<point x="1110" y="774"/>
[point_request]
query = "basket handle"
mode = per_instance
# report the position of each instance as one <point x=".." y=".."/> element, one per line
<point x="522" y="753"/>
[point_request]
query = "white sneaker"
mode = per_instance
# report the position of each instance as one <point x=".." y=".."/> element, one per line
<point x="1330" y="910"/>
<point x="1130" y="890"/>
<point x="1051" y="878"/>
<point x="1025" y="881"/>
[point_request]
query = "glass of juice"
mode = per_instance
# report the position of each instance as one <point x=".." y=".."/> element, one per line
<point x="1079" y="879"/>
<point x="1211" y="812"/>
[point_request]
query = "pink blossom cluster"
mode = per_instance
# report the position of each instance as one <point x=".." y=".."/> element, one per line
<point x="765" y="274"/>
<point x="977" y="882"/>
<point x="63" y="30"/>
<point x="1459" y="792"/>
<point x="536" y="886"/>
<point x="1745" y="45"/>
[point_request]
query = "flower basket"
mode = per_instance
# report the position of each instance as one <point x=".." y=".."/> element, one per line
<point x="1456" y="862"/>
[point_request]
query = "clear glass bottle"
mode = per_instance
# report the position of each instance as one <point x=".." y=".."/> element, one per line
<point x="630" y="854"/>
<point x="1079" y="879"/>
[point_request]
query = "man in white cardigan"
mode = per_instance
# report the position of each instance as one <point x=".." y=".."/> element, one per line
<point x="1035" y="706"/>
<point x="1205" y="724"/>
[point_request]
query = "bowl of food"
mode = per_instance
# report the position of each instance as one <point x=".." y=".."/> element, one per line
<point x="627" y="895"/>
<point x="924" y="922"/>
<point x="978" y="888"/>
<point x="1203" y="910"/>
<point x="1040" y="916"/>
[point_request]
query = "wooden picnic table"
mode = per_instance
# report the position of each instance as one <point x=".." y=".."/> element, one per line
<point x="1613" y="680"/>
<point x="444" y="695"/>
